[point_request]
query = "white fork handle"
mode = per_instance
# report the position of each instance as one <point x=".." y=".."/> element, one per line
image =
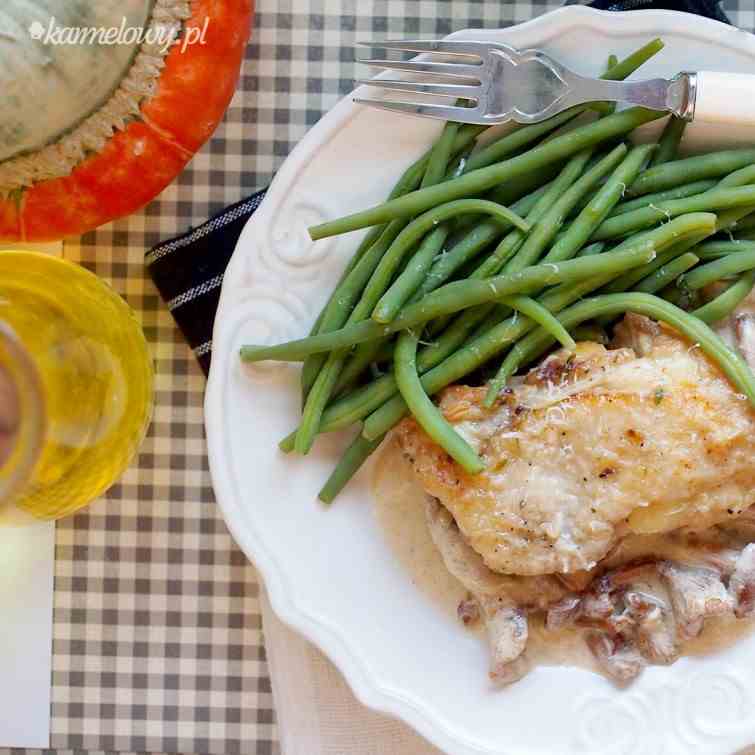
<point x="725" y="98"/>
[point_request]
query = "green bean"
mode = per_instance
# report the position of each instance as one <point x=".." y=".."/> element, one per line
<point x="727" y="302"/>
<point x="511" y="191"/>
<point x="337" y="308"/>
<point x="730" y="363"/>
<point x="728" y="219"/>
<point x="714" y="199"/>
<point x="676" y="296"/>
<point x="370" y="301"/>
<point x="517" y="356"/>
<point x="713" y="250"/>
<point x="507" y="250"/>
<point x="518" y="250"/>
<point x="628" y="66"/>
<point x="712" y="165"/>
<point x="437" y="162"/>
<point x="590" y="331"/>
<point x="548" y="226"/>
<point x="599" y="206"/>
<point x="317" y="400"/>
<point x="683" y="243"/>
<point x="411" y="178"/>
<point x="520" y="137"/>
<point x="360" y="403"/>
<point x="677" y="192"/>
<point x="324" y="384"/>
<point x="718" y="269"/>
<point x="440" y="155"/>
<point x="540" y="315"/>
<point x="353" y="458"/>
<point x="339" y="304"/>
<point x="344" y="298"/>
<point x="632" y="62"/>
<point x="740" y="177"/>
<point x="483" y="348"/>
<point x="666" y="257"/>
<point x="668" y="145"/>
<point x="686" y="299"/>
<point x="478" y="352"/>
<point x="364" y="355"/>
<point x="453" y="297"/>
<point x="667" y="273"/>
<point x="591" y="195"/>
<point x="287" y="444"/>
<point x="312" y="365"/>
<point x="482" y="179"/>
<point x="591" y="249"/>
<point x="457" y="331"/>
<point x="747" y="223"/>
<point x="630" y="282"/>
<point x="474" y="242"/>
<point x="410" y="279"/>
<point x="464" y="141"/>
<point x="613" y="61"/>
<point x="512" y="242"/>
<point x="631" y="278"/>
<point x="466" y="249"/>
<point x="390" y="303"/>
<point x="466" y="136"/>
<point x="425" y="412"/>
<point x="365" y="352"/>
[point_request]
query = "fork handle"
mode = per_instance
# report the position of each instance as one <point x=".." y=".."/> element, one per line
<point x="727" y="98"/>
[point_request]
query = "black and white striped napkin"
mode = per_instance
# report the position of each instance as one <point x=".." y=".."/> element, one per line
<point x="188" y="271"/>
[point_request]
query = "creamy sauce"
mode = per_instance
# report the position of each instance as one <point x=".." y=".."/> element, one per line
<point x="400" y="512"/>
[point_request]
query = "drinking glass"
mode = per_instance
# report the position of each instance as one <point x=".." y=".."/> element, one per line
<point x="76" y="385"/>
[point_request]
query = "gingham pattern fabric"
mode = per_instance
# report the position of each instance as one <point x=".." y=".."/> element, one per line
<point x="157" y="642"/>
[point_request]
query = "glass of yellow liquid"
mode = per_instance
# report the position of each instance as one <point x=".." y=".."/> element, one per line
<point x="76" y="385"/>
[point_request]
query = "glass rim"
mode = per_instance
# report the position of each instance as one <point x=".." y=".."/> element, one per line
<point x="16" y="471"/>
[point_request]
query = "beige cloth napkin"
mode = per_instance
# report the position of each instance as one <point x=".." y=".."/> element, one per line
<point x="317" y="712"/>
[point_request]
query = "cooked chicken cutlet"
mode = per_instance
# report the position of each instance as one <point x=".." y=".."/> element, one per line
<point x="646" y="437"/>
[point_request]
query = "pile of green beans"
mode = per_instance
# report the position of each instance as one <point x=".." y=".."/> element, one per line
<point x="450" y="277"/>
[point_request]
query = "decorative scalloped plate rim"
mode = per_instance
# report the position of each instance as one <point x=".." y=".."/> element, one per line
<point x="255" y="275"/>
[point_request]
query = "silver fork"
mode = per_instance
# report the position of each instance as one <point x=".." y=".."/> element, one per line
<point x="499" y="84"/>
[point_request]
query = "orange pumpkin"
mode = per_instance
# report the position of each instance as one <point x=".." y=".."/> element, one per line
<point x="77" y="165"/>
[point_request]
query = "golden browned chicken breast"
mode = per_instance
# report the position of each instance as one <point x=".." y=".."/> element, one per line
<point x="646" y="437"/>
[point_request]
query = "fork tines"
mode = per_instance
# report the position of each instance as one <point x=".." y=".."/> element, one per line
<point x="465" y="76"/>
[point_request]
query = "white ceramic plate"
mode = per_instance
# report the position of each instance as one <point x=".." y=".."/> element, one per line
<point x="332" y="574"/>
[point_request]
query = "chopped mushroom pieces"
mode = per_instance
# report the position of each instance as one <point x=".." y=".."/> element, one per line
<point x="742" y="583"/>
<point x="696" y="593"/>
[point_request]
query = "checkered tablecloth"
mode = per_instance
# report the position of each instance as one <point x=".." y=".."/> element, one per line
<point x="158" y="646"/>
